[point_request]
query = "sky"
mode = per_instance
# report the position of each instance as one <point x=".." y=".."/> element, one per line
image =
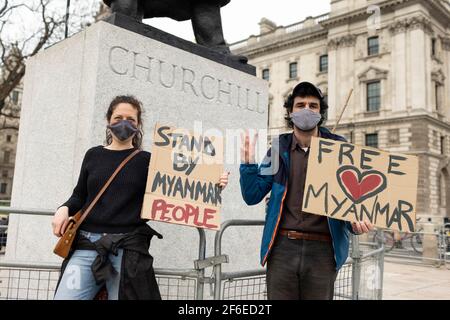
<point x="240" y="18"/>
<point x="25" y="20"/>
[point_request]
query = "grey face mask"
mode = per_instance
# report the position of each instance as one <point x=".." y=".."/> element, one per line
<point x="306" y="119"/>
<point x="123" y="129"/>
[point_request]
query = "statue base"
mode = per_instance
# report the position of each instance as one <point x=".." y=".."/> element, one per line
<point x="68" y="88"/>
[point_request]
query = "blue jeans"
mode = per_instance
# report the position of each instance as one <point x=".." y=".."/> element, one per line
<point x="78" y="283"/>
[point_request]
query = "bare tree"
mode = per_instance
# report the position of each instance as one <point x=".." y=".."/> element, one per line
<point x="27" y="27"/>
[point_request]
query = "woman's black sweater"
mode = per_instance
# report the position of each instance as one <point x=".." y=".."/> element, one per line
<point x="118" y="210"/>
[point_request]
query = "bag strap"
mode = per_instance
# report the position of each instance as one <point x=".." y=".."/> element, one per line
<point x="124" y="162"/>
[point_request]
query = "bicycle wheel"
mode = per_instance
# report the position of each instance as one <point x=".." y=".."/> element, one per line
<point x="417" y="242"/>
<point x="388" y="240"/>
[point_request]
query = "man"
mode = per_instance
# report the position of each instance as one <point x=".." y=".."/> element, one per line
<point x="304" y="252"/>
<point x="204" y="14"/>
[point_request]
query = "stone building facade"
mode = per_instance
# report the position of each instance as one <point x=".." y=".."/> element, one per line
<point x="9" y="130"/>
<point x="395" y="55"/>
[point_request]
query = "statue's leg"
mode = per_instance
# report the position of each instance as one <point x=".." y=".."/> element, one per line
<point x="207" y="25"/>
<point x="131" y="8"/>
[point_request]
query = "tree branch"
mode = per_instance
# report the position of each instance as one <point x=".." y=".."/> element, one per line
<point x="14" y="54"/>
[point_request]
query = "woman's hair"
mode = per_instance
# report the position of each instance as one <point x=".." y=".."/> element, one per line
<point x="137" y="139"/>
<point x="303" y="93"/>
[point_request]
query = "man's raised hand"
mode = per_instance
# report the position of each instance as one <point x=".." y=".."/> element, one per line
<point x="248" y="147"/>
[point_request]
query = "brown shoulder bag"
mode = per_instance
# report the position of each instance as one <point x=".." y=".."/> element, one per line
<point x="64" y="244"/>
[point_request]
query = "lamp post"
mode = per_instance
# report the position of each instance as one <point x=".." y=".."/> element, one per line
<point x="67" y="19"/>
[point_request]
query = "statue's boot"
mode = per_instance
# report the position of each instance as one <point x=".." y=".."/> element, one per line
<point x="206" y="22"/>
<point x="131" y="8"/>
<point x="207" y="25"/>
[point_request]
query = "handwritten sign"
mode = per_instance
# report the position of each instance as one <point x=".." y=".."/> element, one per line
<point x="182" y="183"/>
<point x="354" y="183"/>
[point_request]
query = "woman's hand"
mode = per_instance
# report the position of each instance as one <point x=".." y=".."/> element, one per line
<point x="60" y="221"/>
<point x="361" y="227"/>
<point x="224" y="180"/>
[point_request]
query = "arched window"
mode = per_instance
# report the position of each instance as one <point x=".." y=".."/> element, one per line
<point x="443" y="189"/>
<point x="444" y="192"/>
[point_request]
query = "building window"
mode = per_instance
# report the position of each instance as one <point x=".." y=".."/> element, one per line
<point x="435" y="139"/>
<point x="373" y="46"/>
<point x="266" y="74"/>
<point x="6" y="156"/>
<point x="293" y="70"/>
<point x="437" y="94"/>
<point x="372" y="140"/>
<point x="394" y="137"/>
<point x="8" y="138"/>
<point x="433" y="47"/>
<point x="373" y="96"/>
<point x="324" y="63"/>
<point x="5" y="174"/>
<point x="15" y="97"/>
<point x="443" y="145"/>
<point x="3" y="187"/>
<point x="442" y="192"/>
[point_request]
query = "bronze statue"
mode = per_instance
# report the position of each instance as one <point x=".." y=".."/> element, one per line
<point x="204" y="14"/>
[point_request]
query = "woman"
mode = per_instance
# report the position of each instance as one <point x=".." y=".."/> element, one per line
<point x="112" y="244"/>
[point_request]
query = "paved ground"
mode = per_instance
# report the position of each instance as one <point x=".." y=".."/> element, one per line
<point x="415" y="282"/>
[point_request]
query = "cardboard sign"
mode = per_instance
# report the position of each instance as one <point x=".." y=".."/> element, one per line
<point x="354" y="183"/>
<point x="183" y="179"/>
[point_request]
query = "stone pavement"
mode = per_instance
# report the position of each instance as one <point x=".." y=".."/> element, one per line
<point x="404" y="281"/>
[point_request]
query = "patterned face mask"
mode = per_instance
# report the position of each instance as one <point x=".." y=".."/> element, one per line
<point x="123" y="129"/>
<point x="306" y="119"/>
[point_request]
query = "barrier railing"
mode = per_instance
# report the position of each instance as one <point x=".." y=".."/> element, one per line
<point x="23" y="281"/>
<point x="220" y="276"/>
<point x="251" y="284"/>
<point x="367" y="270"/>
<point x="359" y="278"/>
<point x="19" y="280"/>
<point x="421" y="247"/>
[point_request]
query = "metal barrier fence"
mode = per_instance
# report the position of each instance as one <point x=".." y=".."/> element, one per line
<point x="20" y="281"/>
<point x="423" y="247"/>
<point x="27" y="282"/>
<point x="30" y="281"/>
<point x="360" y="278"/>
<point x="368" y="270"/>
<point x="251" y="284"/>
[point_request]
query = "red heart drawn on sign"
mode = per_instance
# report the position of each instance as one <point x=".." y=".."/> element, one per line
<point x="359" y="186"/>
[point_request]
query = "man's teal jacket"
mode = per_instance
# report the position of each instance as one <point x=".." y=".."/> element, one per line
<point x="256" y="182"/>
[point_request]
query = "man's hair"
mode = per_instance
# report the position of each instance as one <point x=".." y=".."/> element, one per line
<point x="303" y="92"/>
